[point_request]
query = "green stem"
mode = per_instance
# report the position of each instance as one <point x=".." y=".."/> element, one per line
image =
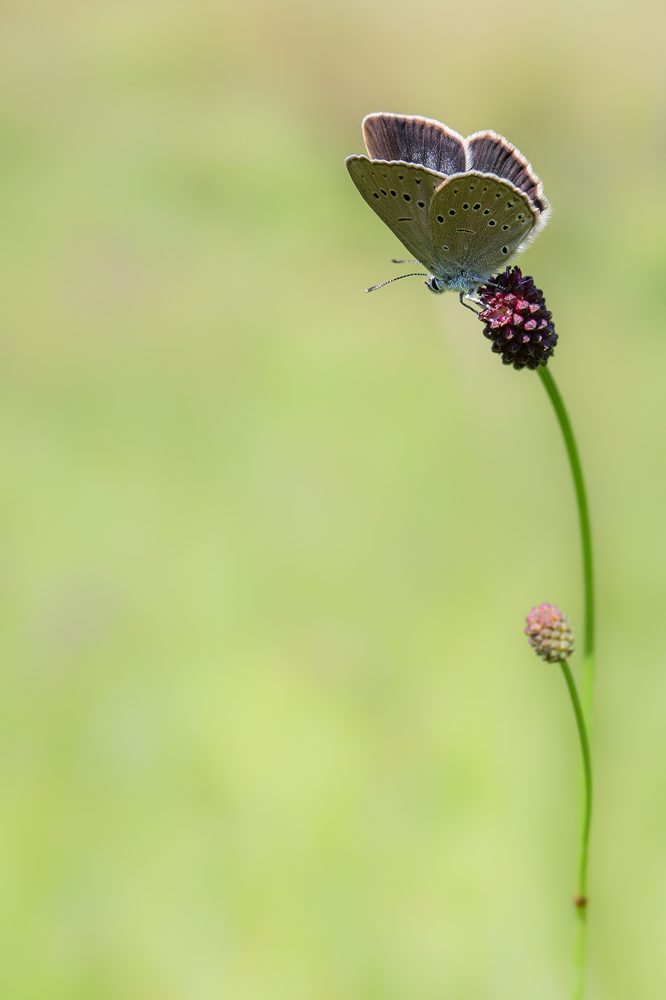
<point x="583" y="712"/>
<point x="585" y="534"/>
<point x="581" y="894"/>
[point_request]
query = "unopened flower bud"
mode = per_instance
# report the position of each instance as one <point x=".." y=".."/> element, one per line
<point x="549" y="633"/>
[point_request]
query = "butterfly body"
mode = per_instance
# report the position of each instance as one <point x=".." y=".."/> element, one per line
<point x="462" y="207"/>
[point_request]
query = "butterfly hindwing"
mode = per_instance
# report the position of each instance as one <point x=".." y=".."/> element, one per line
<point x="477" y="221"/>
<point x="400" y="193"/>
<point x="414" y="140"/>
<point x="491" y="153"/>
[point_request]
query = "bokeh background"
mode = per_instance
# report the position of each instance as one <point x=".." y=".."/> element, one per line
<point x="269" y="727"/>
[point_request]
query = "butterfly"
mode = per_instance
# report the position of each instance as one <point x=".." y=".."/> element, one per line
<point x="462" y="207"/>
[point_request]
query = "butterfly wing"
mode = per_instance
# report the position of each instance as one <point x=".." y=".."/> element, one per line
<point x="477" y="221"/>
<point x="400" y="193"/>
<point x="415" y="140"/>
<point x="491" y="153"/>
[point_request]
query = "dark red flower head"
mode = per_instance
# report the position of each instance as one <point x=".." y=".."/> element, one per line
<point x="517" y="320"/>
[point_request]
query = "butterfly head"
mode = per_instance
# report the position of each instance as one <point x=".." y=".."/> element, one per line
<point x="462" y="282"/>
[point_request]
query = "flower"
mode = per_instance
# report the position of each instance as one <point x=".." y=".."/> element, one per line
<point x="549" y="633"/>
<point x="517" y="320"/>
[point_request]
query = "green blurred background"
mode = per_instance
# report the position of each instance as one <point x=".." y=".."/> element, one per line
<point x="270" y="729"/>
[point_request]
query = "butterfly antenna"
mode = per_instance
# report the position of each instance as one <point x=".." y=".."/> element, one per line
<point x="415" y="274"/>
<point x="394" y="261"/>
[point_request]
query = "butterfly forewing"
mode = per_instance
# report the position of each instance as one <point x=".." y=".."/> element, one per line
<point x="477" y="221"/>
<point x="400" y="193"/>
<point x="415" y="140"/>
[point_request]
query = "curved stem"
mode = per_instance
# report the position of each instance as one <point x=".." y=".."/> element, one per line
<point x="581" y="893"/>
<point x="583" y="712"/>
<point x="585" y="534"/>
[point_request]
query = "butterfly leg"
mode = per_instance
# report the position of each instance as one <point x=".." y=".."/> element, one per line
<point x="467" y="296"/>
